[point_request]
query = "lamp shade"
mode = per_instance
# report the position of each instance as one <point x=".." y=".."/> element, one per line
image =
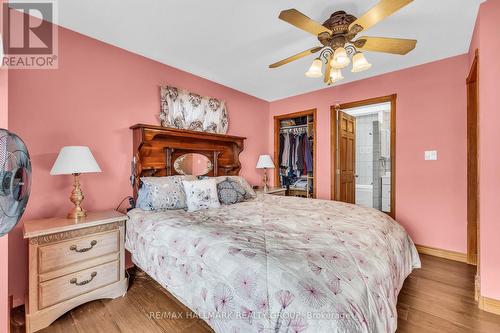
<point x="74" y="159"/>
<point x="265" y="162"/>
<point x="340" y="58"/>
<point x="315" y="69"/>
<point x="359" y="63"/>
<point x="336" y="75"/>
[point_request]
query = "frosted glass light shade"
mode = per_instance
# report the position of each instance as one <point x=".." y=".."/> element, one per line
<point x="315" y="69"/>
<point x="340" y="58"/>
<point x="74" y="159"/>
<point x="336" y="75"/>
<point x="265" y="162"/>
<point x="359" y="63"/>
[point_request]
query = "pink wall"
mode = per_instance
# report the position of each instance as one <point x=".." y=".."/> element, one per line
<point x="4" y="241"/>
<point x="92" y="99"/>
<point x="486" y="39"/>
<point x="431" y="115"/>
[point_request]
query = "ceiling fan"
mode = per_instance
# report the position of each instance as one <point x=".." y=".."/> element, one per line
<point x="337" y="36"/>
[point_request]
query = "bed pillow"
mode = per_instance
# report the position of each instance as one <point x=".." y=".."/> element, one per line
<point x="201" y="194"/>
<point x="166" y="192"/>
<point x="143" y="200"/>
<point x="230" y="192"/>
<point x="249" y="192"/>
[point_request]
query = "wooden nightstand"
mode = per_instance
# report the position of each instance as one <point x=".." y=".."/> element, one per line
<point x="71" y="263"/>
<point x="274" y="191"/>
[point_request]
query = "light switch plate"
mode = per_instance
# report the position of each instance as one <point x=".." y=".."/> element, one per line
<point x="431" y="155"/>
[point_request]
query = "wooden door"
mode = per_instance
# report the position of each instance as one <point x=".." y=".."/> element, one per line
<point x="347" y="154"/>
<point x="472" y="165"/>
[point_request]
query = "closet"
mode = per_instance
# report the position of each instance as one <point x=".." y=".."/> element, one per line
<point x="295" y="153"/>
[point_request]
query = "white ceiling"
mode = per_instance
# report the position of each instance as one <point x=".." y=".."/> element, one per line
<point x="232" y="42"/>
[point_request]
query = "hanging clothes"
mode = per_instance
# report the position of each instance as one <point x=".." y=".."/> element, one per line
<point x="286" y="150"/>
<point x="282" y="144"/>
<point x="304" y="140"/>
<point x="291" y="152"/>
<point x="296" y="152"/>
<point x="301" y="166"/>
<point x="308" y="154"/>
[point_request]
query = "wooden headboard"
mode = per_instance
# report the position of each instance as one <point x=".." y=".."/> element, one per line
<point x="155" y="149"/>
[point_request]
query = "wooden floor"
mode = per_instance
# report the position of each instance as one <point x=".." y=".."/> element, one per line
<point x="438" y="298"/>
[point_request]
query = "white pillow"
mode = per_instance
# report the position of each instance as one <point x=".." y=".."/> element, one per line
<point x="201" y="194"/>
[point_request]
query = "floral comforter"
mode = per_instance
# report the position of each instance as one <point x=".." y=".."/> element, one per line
<point x="278" y="264"/>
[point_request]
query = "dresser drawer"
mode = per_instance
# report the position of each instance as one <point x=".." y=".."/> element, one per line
<point x="55" y="256"/>
<point x="71" y="285"/>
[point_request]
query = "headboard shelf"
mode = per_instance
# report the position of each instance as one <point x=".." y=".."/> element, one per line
<point x="155" y="149"/>
<point x="182" y="133"/>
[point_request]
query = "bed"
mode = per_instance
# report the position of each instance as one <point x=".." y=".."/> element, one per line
<point x="277" y="264"/>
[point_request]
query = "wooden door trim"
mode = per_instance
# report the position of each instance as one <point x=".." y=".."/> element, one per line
<point x="333" y="138"/>
<point x="473" y="230"/>
<point x="277" y="120"/>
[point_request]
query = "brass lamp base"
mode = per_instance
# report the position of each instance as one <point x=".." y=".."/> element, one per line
<point x="76" y="214"/>
<point x="266" y="188"/>
<point x="77" y="197"/>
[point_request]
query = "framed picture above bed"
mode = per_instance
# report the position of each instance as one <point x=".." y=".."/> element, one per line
<point x="182" y="109"/>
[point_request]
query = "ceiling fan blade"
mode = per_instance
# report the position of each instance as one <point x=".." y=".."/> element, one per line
<point x="376" y="14"/>
<point x="295" y="57"/>
<point x="386" y="45"/>
<point x="301" y="21"/>
<point x="328" y="71"/>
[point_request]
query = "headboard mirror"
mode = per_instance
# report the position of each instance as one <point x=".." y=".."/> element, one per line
<point x="193" y="164"/>
<point x="160" y="151"/>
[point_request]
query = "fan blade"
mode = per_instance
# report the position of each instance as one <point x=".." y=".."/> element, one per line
<point x="328" y="70"/>
<point x="386" y="45"/>
<point x="296" y="18"/>
<point x="376" y="14"/>
<point x="296" y="57"/>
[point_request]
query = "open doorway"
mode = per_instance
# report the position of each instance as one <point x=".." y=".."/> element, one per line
<point x="363" y="153"/>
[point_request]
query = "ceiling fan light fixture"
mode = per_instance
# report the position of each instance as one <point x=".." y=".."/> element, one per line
<point x="340" y="58"/>
<point x="315" y="69"/>
<point x="359" y="63"/>
<point x="336" y="75"/>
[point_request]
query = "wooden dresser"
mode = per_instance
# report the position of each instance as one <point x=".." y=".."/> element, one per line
<point x="71" y="263"/>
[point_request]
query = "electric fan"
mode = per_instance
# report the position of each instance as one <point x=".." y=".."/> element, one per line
<point x="15" y="180"/>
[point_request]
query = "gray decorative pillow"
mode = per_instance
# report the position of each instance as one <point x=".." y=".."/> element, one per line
<point x="201" y="194"/>
<point x="230" y="192"/>
<point x="166" y="192"/>
<point x="249" y="192"/>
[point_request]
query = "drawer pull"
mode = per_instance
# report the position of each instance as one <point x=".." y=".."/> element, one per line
<point x="84" y="282"/>
<point x="85" y="249"/>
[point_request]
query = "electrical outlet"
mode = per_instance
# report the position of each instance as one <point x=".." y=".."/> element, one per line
<point x="430" y="155"/>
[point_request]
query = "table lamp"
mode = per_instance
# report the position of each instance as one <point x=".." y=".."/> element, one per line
<point x="75" y="160"/>
<point x="265" y="162"/>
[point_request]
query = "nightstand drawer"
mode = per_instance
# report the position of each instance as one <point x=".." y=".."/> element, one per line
<point x="55" y="256"/>
<point x="72" y="285"/>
